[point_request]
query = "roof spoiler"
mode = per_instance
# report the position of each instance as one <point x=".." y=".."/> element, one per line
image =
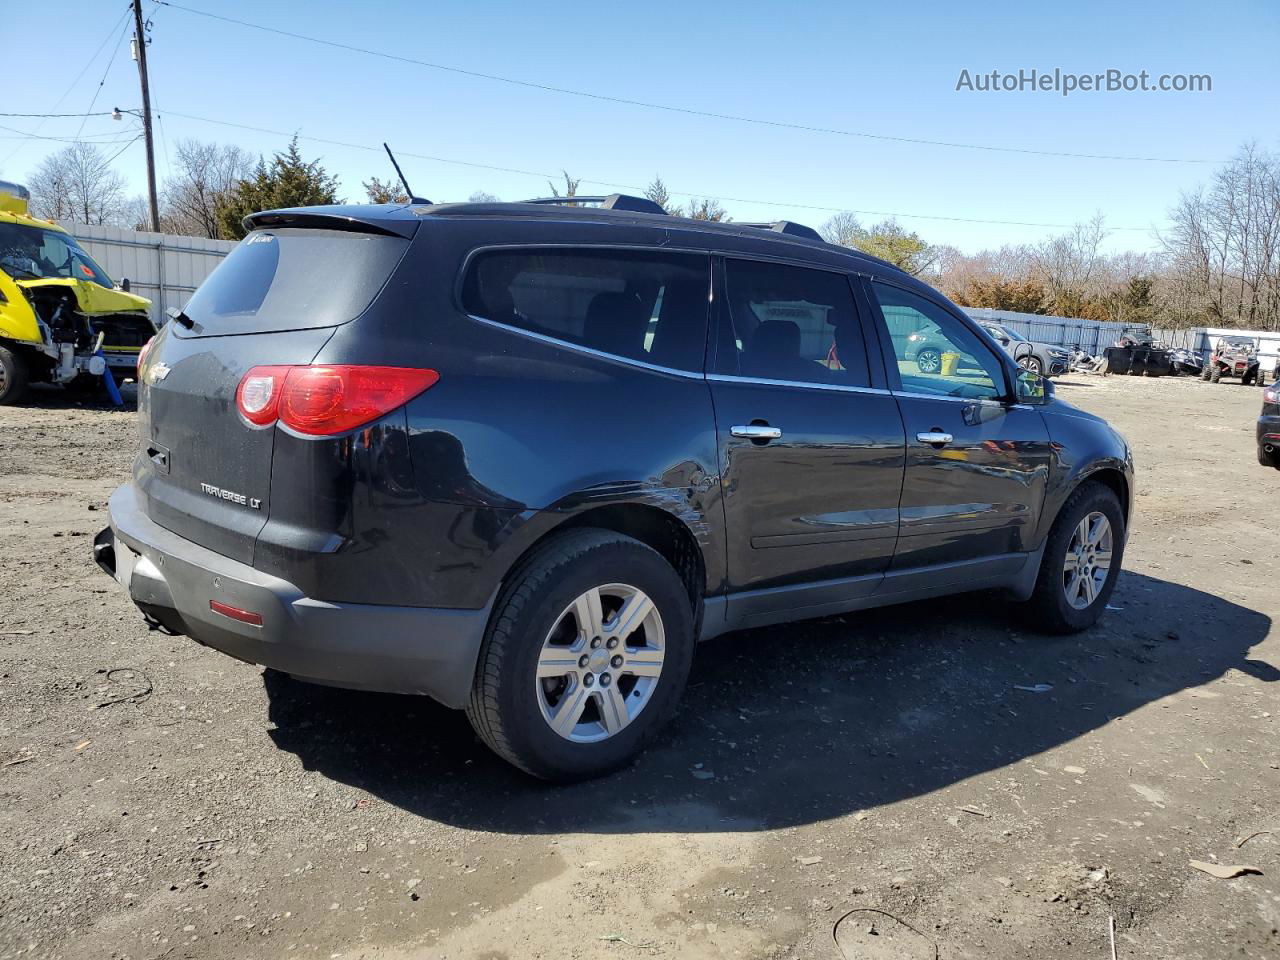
<point x="319" y="220"/>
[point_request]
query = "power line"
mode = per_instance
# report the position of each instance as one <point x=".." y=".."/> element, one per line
<point x="670" y="108"/>
<point x="87" y="64"/>
<point x="632" y="187"/>
<point x="103" y="138"/>
<point x="98" y="90"/>
<point x="46" y="116"/>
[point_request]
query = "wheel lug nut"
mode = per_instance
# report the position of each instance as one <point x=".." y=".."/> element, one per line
<point x="595" y="643"/>
<point x="613" y="642"/>
<point x="588" y="680"/>
<point x="616" y="662"/>
<point x="583" y="661"/>
<point x="604" y="679"/>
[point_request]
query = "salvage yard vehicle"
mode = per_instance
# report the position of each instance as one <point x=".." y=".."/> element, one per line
<point x="1233" y="357"/>
<point x="1186" y="361"/>
<point x="1269" y="427"/>
<point x="61" y="319"/>
<point x="522" y="457"/>
<point x="1046" y="358"/>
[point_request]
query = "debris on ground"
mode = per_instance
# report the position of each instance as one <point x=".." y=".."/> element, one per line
<point x="1224" y="871"/>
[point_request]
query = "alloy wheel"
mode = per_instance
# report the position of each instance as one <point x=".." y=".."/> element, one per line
<point x="929" y="361"/>
<point x="1088" y="560"/>
<point x="600" y="663"/>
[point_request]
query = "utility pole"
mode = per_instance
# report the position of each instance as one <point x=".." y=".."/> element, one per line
<point x="140" y="42"/>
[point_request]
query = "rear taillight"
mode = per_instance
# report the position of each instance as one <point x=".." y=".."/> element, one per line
<point x="320" y="401"/>
<point x="142" y="354"/>
<point x="1271" y="395"/>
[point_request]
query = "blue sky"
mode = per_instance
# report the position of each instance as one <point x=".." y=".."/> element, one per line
<point x="879" y="68"/>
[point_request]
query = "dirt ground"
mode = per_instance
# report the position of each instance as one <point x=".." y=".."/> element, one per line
<point x="158" y="799"/>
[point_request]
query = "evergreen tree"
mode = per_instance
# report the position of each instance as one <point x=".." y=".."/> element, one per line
<point x="288" y="181"/>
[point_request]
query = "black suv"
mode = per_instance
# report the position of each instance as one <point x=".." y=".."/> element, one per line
<point x="521" y="457"/>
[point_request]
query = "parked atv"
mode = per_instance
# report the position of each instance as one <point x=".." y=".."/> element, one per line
<point x="1234" y="357"/>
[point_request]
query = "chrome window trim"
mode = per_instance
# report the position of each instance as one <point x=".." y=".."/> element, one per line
<point x="912" y="395"/>
<point x="807" y="385"/>
<point x="588" y="351"/>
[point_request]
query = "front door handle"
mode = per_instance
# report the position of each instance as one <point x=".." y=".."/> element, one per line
<point x="756" y="431"/>
<point x="936" y="437"/>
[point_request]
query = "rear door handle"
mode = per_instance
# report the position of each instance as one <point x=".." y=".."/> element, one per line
<point x="756" y="431"/>
<point x="935" y="436"/>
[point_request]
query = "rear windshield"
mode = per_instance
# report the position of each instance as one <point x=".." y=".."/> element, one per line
<point x="293" y="279"/>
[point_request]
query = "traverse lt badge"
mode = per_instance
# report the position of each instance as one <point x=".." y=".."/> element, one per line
<point x="252" y="502"/>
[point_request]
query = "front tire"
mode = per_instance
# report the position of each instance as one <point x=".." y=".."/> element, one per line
<point x="1081" y="561"/>
<point x="1215" y="374"/>
<point x="1033" y="364"/>
<point x="929" y="360"/>
<point x="14" y="376"/>
<point x="586" y="655"/>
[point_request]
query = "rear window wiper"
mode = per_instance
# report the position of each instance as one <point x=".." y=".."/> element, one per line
<point x="173" y="313"/>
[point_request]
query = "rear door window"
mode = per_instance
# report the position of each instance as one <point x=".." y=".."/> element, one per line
<point x="639" y="304"/>
<point x="293" y="279"/>
<point x="794" y="324"/>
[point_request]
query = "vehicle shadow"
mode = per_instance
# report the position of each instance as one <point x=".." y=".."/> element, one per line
<point x="798" y="724"/>
<point x="43" y="396"/>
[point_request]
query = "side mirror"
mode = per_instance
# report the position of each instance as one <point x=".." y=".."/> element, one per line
<point x="123" y="285"/>
<point x="1033" y="388"/>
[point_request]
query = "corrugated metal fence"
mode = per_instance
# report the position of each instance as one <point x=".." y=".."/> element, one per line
<point x="160" y="266"/>
<point x="1091" y="336"/>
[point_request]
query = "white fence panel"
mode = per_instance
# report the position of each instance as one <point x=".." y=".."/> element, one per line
<point x="160" y="266"/>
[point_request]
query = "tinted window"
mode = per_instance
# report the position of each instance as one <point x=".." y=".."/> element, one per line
<point x="790" y="323"/>
<point x="293" y="279"/>
<point x="934" y="351"/>
<point x="637" y="304"/>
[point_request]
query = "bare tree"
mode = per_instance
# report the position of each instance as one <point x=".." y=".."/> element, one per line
<point x="570" y="186"/>
<point x="708" y="209"/>
<point x="205" y="174"/>
<point x="844" y="229"/>
<point x="1070" y="265"/>
<point x="1223" y="248"/>
<point x="480" y="196"/>
<point x="77" y="183"/>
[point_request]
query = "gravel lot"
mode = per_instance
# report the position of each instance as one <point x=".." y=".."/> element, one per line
<point x="158" y="799"/>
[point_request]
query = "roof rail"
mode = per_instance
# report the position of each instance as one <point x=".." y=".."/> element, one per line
<point x="789" y="227"/>
<point x="614" y="201"/>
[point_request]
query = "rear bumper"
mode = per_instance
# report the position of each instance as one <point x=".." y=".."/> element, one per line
<point x="1269" y="440"/>
<point x="423" y="650"/>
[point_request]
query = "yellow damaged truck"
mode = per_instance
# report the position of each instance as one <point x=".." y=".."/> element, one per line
<point x="62" y="320"/>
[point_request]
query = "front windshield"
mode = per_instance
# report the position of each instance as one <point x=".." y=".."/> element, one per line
<point x="1012" y="334"/>
<point x="33" y="253"/>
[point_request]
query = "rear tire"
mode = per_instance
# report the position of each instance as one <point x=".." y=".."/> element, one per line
<point x="14" y="376"/>
<point x="1051" y="607"/>
<point x="536" y="622"/>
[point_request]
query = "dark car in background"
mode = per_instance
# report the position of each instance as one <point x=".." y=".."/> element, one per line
<point x="1046" y="358"/>
<point x="522" y="457"/>
<point x="1269" y="427"/>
